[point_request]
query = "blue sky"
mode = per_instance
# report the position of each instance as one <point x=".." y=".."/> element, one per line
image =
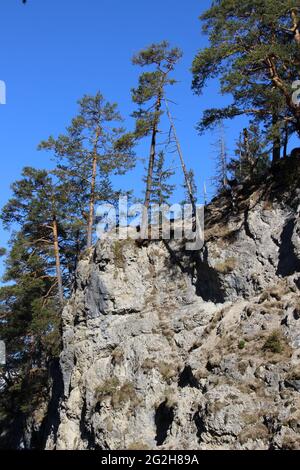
<point x="55" y="51"/>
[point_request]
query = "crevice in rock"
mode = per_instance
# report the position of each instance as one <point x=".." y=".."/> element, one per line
<point x="208" y="284"/>
<point x="200" y="426"/>
<point x="187" y="378"/>
<point x="293" y="384"/>
<point x="51" y="421"/>
<point x="205" y="279"/>
<point x="86" y="434"/>
<point x="288" y="262"/>
<point x="210" y="366"/>
<point x="98" y="407"/>
<point x="164" y="417"/>
<point x="284" y="321"/>
<point x="296" y="314"/>
<point x="175" y="258"/>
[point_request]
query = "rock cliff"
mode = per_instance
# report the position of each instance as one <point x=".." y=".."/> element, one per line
<point x="168" y="349"/>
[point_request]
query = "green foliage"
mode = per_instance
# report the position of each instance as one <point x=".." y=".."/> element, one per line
<point x="191" y="177"/>
<point x="30" y="323"/>
<point x="94" y="134"/>
<point x="254" y="50"/>
<point x="151" y="87"/>
<point x="149" y="96"/>
<point x="221" y="178"/>
<point x="252" y="160"/>
<point x="37" y="199"/>
<point x="273" y="343"/>
<point x="49" y="214"/>
<point x="162" y="190"/>
<point x="30" y="316"/>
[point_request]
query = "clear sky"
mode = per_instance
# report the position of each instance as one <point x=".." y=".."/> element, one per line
<point x="55" y="51"/>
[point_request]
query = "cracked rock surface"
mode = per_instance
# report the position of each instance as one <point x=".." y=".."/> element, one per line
<point x="168" y="349"/>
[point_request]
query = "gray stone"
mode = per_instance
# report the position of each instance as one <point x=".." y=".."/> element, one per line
<point x="166" y="349"/>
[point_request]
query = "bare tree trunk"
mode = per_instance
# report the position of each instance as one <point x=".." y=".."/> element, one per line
<point x="183" y="166"/>
<point x="196" y="222"/>
<point x="223" y="158"/>
<point x="57" y="260"/>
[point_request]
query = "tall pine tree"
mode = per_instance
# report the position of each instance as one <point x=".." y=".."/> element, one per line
<point x="94" y="147"/>
<point x="30" y="327"/>
<point x="255" y="50"/>
<point x="149" y="96"/>
<point x="37" y="207"/>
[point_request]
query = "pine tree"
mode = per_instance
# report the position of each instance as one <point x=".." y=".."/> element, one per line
<point x="30" y="321"/>
<point x="39" y="271"/>
<point x="37" y="206"/>
<point x="221" y="158"/>
<point x="149" y="96"/>
<point x="252" y="158"/>
<point x="161" y="190"/>
<point x="192" y="187"/>
<point x="93" y="147"/>
<point x="255" y="50"/>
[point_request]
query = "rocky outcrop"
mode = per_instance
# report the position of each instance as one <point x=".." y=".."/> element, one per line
<point x="169" y="349"/>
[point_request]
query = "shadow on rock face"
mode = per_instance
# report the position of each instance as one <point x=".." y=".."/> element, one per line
<point x="164" y="417"/>
<point x="288" y="263"/>
<point x="187" y="378"/>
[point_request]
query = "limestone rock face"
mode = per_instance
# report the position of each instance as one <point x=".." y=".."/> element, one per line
<point x="169" y="349"/>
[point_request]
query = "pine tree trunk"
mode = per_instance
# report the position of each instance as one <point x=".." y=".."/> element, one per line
<point x="77" y="249"/>
<point x="296" y="26"/>
<point x="247" y="153"/>
<point x="93" y="191"/>
<point x="144" y="224"/>
<point x="92" y="199"/>
<point x="57" y="261"/>
<point x="152" y="153"/>
<point x="276" y="140"/>
<point x="286" y="141"/>
<point x="276" y="150"/>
